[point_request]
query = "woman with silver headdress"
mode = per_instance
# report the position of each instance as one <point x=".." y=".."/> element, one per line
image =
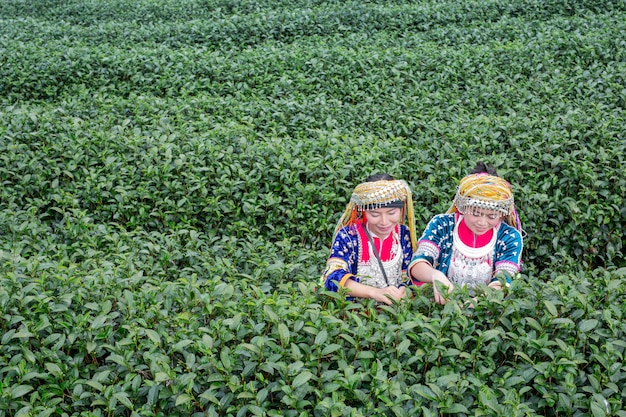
<point x="371" y="246"/>
<point x="478" y="241"/>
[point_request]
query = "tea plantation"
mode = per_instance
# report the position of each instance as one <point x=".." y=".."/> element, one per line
<point x="171" y="173"/>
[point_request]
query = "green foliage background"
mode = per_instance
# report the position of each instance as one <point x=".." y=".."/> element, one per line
<point x="171" y="172"/>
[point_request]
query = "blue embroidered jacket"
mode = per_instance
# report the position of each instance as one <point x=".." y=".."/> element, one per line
<point x="435" y="247"/>
<point x="346" y="251"/>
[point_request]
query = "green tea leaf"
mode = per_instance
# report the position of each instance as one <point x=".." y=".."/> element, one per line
<point x="490" y="334"/>
<point x="153" y="336"/>
<point x="597" y="409"/>
<point x="587" y="325"/>
<point x="284" y="333"/>
<point x="455" y="409"/>
<point x="19" y="391"/>
<point x="54" y="369"/>
<point x="225" y="358"/>
<point x="302" y="379"/>
<point x="123" y="398"/>
<point x="331" y="348"/>
<point x="403" y="347"/>
<point x="321" y="337"/>
<point x="425" y="392"/>
<point x="551" y="308"/>
<point x="183" y="399"/>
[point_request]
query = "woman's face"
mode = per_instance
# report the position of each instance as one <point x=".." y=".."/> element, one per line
<point x="480" y="221"/>
<point x="382" y="221"/>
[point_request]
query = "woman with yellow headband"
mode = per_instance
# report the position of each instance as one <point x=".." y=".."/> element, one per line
<point x="478" y="241"/>
<point x="371" y="246"/>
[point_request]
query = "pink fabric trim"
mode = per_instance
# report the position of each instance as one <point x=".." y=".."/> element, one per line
<point x="467" y="236"/>
<point x="385" y="253"/>
<point x="507" y="266"/>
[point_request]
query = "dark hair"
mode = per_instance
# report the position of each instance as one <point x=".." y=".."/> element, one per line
<point x="483" y="167"/>
<point x="379" y="177"/>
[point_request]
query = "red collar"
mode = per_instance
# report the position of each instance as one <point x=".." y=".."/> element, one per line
<point x="387" y="244"/>
<point x="470" y="239"/>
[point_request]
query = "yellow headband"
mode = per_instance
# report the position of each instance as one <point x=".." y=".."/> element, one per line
<point x="378" y="194"/>
<point x="488" y="192"/>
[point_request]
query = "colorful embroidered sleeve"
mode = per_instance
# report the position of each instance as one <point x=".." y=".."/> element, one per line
<point x="508" y="257"/>
<point x="343" y="260"/>
<point x="437" y="238"/>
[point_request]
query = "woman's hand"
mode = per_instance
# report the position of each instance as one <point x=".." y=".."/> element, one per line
<point x="382" y="294"/>
<point x="438" y="276"/>
<point x="424" y="272"/>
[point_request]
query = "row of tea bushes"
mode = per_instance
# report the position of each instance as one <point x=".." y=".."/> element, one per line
<point x="171" y="173"/>
<point x="108" y="336"/>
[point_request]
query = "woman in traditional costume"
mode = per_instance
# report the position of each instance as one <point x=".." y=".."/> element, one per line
<point x="372" y="247"/>
<point x="478" y="241"/>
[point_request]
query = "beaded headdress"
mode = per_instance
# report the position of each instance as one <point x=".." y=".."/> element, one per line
<point x="375" y="195"/>
<point x="487" y="192"/>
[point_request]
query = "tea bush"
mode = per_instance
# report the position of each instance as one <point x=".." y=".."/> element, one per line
<point x="172" y="172"/>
